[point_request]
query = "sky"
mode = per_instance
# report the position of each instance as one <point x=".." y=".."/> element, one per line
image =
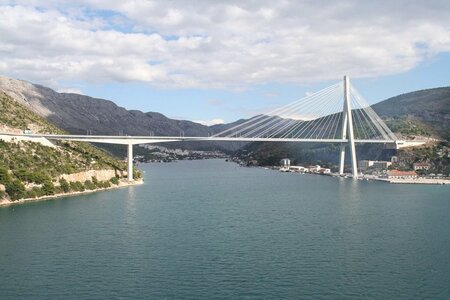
<point x="219" y="61"/>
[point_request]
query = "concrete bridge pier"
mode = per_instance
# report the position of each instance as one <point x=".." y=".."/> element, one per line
<point x="342" y="159"/>
<point x="347" y="132"/>
<point x="130" y="162"/>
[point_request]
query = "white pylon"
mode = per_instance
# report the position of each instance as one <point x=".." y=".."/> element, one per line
<point x="347" y="132"/>
<point x="343" y="136"/>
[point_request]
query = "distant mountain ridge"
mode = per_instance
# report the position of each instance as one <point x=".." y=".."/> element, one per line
<point x="78" y="113"/>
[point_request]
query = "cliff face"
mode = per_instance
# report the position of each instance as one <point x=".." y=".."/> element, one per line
<point x="101" y="175"/>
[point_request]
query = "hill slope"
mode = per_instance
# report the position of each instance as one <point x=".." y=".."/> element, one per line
<point x="78" y="113"/>
<point x="31" y="168"/>
<point x="428" y="108"/>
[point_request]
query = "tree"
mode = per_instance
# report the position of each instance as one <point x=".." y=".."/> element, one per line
<point x="64" y="185"/>
<point x="77" y="186"/>
<point x="30" y="194"/>
<point x="4" y="176"/>
<point x="22" y="174"/>
<point x="89" y="185"/>
<point x="15" y="190"/>
<point x="114" y="180"/>
<point x="38" y="191"/>
<point x="48" y="188"/>
<point x="40" y="177"/>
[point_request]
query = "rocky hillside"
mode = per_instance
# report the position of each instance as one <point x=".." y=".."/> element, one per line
<point x="31" y="168"/>
<point x="425" y="111"/>
<point x="78" y="113"/>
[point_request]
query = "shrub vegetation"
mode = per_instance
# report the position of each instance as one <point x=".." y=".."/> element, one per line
<point x="27" y="162"/>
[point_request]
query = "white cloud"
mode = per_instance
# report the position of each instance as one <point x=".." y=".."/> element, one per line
<point x="70" y="90"/>
<point x="214" y="44"/>
<point x="210" y="122"/>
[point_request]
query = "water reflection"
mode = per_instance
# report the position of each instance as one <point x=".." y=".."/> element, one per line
<point x="130" y="205"/>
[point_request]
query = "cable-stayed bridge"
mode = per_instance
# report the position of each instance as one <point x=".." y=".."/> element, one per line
<point x="336" y="114"/>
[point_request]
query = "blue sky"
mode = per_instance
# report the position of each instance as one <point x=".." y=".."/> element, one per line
<point x="217" y="62"/>
<point x="208" y="104"/>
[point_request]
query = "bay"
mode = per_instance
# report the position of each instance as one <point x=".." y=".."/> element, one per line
<point x="213" y="230"/>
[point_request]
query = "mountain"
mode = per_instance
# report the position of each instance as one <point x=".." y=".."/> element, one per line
<point x="427" y="108"/>
<point x="222" y="127"/>
<point x="78" y="113"/>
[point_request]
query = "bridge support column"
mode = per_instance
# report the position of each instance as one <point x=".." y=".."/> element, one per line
<point x="344" y="136"/>
<point x="130" y="162"/>
<point x="347" y="130"/>
<point x="351" y="138"/>
<point x="342" y="159"/>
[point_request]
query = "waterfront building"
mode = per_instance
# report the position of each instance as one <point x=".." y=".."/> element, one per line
<point x="325" y="171"/>
<point x="365" y="164"/>
<point x="298" y="169"/>
<point x="381" y="165"/>
<point x="421" y="166"/>
<point x="314" y="169"/>
<point x="285" y="163"/>
<point x="378" y="165"/>
<point x="397" y="174"/>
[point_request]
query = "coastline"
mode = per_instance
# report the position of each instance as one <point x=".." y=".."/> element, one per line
<point x="71" y="194"/>
<point x="419" y="180"/>
<point x="414" y="181"/>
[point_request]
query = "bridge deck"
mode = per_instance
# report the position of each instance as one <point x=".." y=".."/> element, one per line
<point x="125" y="140"/>
<point x="157" y="139"/>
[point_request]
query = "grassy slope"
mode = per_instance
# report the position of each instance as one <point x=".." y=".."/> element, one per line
<point x="33" y="162"/>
